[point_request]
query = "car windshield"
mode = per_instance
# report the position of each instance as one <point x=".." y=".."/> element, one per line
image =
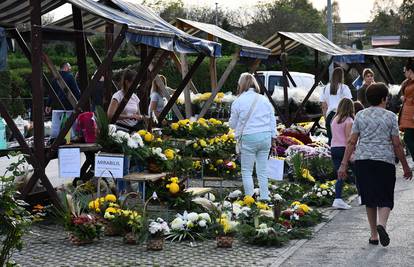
<point x="275" y="81"/>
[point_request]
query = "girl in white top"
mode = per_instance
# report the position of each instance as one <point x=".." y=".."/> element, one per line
<point x="255" y="132"/>
<point x="130" y="117"/>
<point x="330" y="97"/>
<point x="157" y="102"/>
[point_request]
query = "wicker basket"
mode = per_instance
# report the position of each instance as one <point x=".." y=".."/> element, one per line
<point x="130" y="239"/>
<point x="155" y="243"/>
<point x="78" y="242"/>
<point x="224" y="241"/>
<point x="111" y="230"/>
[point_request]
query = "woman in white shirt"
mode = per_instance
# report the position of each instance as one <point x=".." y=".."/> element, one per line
<point x="331" y="96"/>
<point x="157" y="102"/>
<point x="130" y="117"/>
<point x="254" y="131"/>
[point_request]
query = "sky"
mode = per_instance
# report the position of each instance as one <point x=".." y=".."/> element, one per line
<point x="349" y="10"/>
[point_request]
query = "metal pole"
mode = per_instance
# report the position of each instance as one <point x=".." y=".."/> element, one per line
<point x="330" y="31"/>
<point x="216" y="14"/>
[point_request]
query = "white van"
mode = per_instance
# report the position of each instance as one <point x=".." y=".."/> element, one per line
<point x="272" y="79"/>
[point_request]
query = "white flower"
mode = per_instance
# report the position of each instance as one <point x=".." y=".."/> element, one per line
<point x="235" y="194"/>
<point x="210" y="196"/>
<point x="120" y="136"/>
<point x="108" y="216"/>
<point x="273" y="187"/>
<point x="330" y="193"/>
<point x="294" y="217"/>
<point x="192" y="216"/>
<point x="318" y="194"/>
<point x="205" y="216"/>
<point x="158" y="151"/>
<point x="226" y="204"/>
<point x="277" y="197"/>
<point x="132" y="143"/>
<point x="202" y="223"/>
<point x="324" y="192"/>
<point x="155" y="227"/>
<point x="177" y="224"/>
<point x="256" y="191"/>
<point x="137" y="138"/>
<point x="111" y="129"/>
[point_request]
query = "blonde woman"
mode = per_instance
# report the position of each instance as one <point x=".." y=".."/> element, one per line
<point x="330" y="97"/>
<point x="157" y="102"/>
<point x="130" y="117"/>
<point x="253" y="119"/>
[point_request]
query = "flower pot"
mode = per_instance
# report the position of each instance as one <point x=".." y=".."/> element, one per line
<point x="277" y="210"/>
<point x="130" y="239"/>
<point x="153" y="167"/>
<point x="155" y="243"/>
<point x="224" y="241"/>
<point x="78" y="242"/>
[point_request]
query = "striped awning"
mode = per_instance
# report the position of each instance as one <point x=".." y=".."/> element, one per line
<point x="16" y="12"/>
<point x="247" y="48"/>
<point x="389" y="52"/>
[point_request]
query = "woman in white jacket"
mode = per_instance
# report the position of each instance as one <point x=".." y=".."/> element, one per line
<point x="253" y="119"/>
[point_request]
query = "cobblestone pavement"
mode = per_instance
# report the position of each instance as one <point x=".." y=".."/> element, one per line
<point x="344" y="240"/>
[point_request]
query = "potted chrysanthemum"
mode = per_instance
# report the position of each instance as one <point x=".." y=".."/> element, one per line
<point x="157" y="230"/>
<point x="225" y="230"/>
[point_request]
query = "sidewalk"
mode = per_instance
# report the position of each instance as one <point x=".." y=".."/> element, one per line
<point x="344" y="240"/>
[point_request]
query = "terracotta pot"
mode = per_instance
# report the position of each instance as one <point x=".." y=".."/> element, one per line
<point x="78" y="242"/>
<point x="155" y="243"/>
<point x="130" y="239"/>
<point x="224" y="241"/>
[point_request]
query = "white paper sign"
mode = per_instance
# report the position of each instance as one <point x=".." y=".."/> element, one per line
<point x="69" y="162"/>
<point x="107" y="164"/>
<point x="275" y="168"/>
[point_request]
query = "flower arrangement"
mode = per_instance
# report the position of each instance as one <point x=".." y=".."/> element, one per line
<point x="300" y="215"/>
<point x="189" y="226"/>
<point x="158" y="228"/>
<point x="158" y="161"/>
<point x="288" y="191"/>
<point x="264" y="234"/>
<point x="202" y="128"/>
<point x="100" y="205"/>
<point x="321" y="194"/>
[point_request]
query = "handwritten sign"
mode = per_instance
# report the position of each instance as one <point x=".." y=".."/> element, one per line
<point x="69" y="162"/>
<point x="109" y="165"/>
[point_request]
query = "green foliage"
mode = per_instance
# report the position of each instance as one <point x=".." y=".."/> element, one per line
<point x="407" y="13"/>
<point x="15" y="220"/>
<point x="264" y="235"/>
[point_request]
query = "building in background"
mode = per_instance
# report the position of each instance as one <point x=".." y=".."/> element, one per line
<point x="385" y="41"/>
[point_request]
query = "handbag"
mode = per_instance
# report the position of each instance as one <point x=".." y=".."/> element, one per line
<point x="275" y="167"/>
<point x="238" y="140"/>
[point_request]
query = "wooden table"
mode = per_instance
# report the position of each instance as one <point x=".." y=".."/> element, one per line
<point x="142" y="178"/>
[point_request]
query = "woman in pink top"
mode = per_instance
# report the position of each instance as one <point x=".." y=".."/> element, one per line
<point x="341" y="130"/>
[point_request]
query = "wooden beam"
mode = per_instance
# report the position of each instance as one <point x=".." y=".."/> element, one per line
<point x="26" y="51"/>
<point x="187" y="95"/>
<point x="138" y="79"/>
<point x="316" y="62"/>
<point x="88" y="92"/>
<point x="181" y="87"/>
<point x="108" y="83"/>
<point x="223" y="79"/>
<point x="62" y="84"/>
<point x="283" y="56"/>
<point x="143" y="94"/>
<point x="166" y="94"/>
<point x="80" y="51"/>
<point x="212" y="67"/>
<point x="318" y="78"/>
<point x="177" y="64"/>
<point x="387" y="70"/>
<point x="379" y="70"/>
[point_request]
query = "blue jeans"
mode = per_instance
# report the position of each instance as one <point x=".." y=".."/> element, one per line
<point x="255" y="149"/>
<point x="337" y="154"/>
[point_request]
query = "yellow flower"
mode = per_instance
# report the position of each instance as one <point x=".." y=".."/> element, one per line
<point x="93" y="205"/>
<point x="183" y="122"/>
<point x="111" y="210"/>
<point x="306" y="174"/>
<point x="231" y="135"/>
<point x="324" y="186"/>
<point x="110" y="198"/>
<point x="98" y="210"/>
<point x="159" y="140"/>
<point x="248" y="200"/>
<point x="142" y="132"/>
<point x="262" y="206"/>
<point x="195" y="145"/>
<point x="174" y="180"/>
<point x="169" y="153"/>
<point x="175" y="126"/>
<point x="196" y="164"/>
<point x="174" y="188"/>
<point x="148" y="137"/>
<point x="240" y="202"/>
<point x="219" y="161"/>
<point x="203" y="143"/>
<point x="295" y="203"/>
<point x="224" y="137"/>
<point x="220" y="95"/>
<point x="211" y="141"/>
<point x="305" y="208"/>
<point x="201" y="120"/>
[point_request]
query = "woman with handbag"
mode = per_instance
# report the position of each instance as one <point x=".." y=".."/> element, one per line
<point x="406" y="119"/>
<point x="253" y="119"/>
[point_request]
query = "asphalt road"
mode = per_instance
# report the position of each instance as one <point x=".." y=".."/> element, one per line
<point x="344" y="240"/>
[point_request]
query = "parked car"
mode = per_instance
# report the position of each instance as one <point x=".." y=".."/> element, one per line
<point x="274" y="79"/>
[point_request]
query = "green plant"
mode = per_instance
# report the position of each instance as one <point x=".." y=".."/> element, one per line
<point x="266" y="234"/>
<point x="15" y="220"/>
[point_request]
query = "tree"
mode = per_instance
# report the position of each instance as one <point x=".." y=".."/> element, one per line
<point x="385" y="22"/>
<point x="407" y="15"/>
<point x="284" y="15"/>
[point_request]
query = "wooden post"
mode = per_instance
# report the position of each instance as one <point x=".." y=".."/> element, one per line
<point x="181" y="87"/>
<point x="387" y="70"/>
<point x="80" y="51"/>
<point x="316" y="62"/>
<point x="144" y="95"/>
<point x="379" y="70"/>
<point x="187" y="95"/>
<point x="212" y="67"/>
<point x="318" y="78"/>
<point x="177" y="64"/>
<point x="223" y="79"/>
<point x="138" y="79"/>
<point x="37" y="98"/>
<point x="108" y="83"/>
<point x="283" y="56"/>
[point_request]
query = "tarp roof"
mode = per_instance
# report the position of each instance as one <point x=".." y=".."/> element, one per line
<point x="248" y="48"/>
<point x="145" y="30"/>
<point x="322" y="44"/>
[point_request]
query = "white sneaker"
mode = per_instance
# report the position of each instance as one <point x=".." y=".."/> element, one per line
<point x="359" y="200"/>
<point x="340" y="204"/>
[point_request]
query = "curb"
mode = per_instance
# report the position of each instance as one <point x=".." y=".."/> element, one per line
<point x="288" y="252"/>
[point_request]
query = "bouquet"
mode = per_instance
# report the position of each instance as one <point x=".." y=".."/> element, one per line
<point x="189" y="226"/>
<point x="300" y="215"/>
<point x="321" y="194"/>
<point x="158" y="228"/>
